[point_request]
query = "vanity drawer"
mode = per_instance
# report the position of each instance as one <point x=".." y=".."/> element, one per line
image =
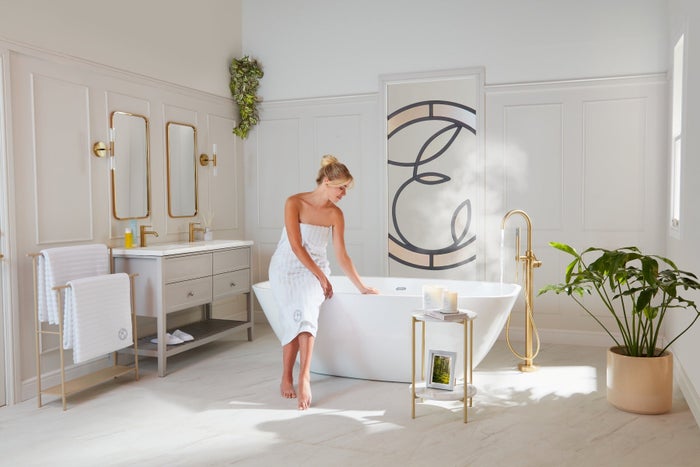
<point x="181" y="268"/>
<point x="231" y="283"/>
<point x="181" y="295"/>
<point x="231" y="260"/>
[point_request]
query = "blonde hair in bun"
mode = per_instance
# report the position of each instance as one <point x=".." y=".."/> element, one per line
<point x="336" y="172"/>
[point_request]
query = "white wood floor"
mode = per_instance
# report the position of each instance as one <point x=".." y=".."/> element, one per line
<point x="220" y="405"/>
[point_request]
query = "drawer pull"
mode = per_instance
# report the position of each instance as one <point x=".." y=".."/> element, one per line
<point x="190" y="294"/>
<point x="232" y="284"/>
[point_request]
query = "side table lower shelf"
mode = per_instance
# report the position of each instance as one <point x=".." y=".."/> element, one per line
<point x="456" y="394"/>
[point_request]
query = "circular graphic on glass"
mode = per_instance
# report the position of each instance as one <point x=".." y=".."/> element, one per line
<point x="431" y="215"/>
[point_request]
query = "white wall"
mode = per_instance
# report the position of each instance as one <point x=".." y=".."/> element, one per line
<point x="312" y="48"/>
<point x="178" y="41"/>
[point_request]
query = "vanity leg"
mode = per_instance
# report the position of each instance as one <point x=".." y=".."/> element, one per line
<point x="161" y="345"/>
<point x="249" y="306"/>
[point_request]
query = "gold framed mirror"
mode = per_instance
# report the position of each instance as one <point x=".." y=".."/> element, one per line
<point x="130" y="166"/>
<point x="181" y="148"/>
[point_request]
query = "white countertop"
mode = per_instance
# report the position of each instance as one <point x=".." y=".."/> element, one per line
<point x="179" y="248"/>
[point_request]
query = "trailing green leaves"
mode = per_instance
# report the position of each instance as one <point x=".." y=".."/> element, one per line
<point x="245" y="80"/>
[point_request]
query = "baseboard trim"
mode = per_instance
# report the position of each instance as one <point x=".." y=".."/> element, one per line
<point x="690" y="394"/>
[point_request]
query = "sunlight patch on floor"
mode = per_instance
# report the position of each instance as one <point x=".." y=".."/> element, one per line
<point x="561" y="381"/>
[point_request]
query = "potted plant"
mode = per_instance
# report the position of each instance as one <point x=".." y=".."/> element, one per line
<point x="638" y="291"/>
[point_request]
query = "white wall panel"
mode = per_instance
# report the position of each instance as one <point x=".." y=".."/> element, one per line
<point x="222" y="200"/>
<point x="613" y="166"/>
<point x="60" y="108"/>
<point x="533" y="155"/>
<point x="283" y="155"/>
<point x="278" y="171"/>
<point x="586" y="161"/>
<point x="342" y="136"/>
<point x="61" y="161"/>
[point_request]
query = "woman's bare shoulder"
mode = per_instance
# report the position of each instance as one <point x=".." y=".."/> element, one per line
<point x="296" y="199"/>
<point x="336" y="215"/>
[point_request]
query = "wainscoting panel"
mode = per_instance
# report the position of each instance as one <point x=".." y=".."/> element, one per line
<point x="534" y="158"/>
<point x="341" y="135"/>
<point x="61" y="125"/>
<point x="221" y="188"/>
<point x="278" y="169"/>
<point x="283" y="155"/>
<point x="614" y="162"/>
<point x="59" y="108"/>
<point x="586" y="160"/>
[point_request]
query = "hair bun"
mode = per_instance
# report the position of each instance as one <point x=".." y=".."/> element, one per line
<point x="328" y="159"/>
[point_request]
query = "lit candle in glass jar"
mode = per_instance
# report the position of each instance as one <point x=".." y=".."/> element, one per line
<point x="450" y="301"/>
<point x="432" y="297"/>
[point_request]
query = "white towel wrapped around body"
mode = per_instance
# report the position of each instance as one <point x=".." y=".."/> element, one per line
<point x="57" y="266"/>
<point x="98" y="316"/>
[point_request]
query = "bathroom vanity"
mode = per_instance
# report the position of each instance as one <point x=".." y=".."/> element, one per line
<point x="178" y="276"/>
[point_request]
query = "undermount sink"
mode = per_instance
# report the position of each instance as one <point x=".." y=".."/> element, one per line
<point x="178" y="248"/>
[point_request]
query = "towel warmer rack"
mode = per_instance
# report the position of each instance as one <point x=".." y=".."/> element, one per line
<point x="81" y="383"/>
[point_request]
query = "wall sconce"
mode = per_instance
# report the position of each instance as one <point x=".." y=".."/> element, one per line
<point x="102" y="149"/>
<point x="204" y="159"/>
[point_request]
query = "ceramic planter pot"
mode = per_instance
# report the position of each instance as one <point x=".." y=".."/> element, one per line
<point x="641" y="385"/>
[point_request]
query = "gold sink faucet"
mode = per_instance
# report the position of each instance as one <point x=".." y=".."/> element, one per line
<point x="144" y="232"/>
<point x="194" y="229"/>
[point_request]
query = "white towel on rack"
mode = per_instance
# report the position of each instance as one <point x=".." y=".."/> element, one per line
<point x="57" y="266"/>
<point x="101" y="316"/>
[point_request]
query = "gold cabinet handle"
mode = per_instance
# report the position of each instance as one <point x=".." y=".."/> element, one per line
<point x="1" y="256"/>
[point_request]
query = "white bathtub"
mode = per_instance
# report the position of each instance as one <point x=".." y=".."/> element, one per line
<point x="369" y="336"/>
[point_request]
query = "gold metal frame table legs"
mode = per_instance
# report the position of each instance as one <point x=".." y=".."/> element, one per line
<point x="423" y="392"/>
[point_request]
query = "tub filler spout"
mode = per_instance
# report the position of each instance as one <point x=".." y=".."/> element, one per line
<point x="529" y="262"/>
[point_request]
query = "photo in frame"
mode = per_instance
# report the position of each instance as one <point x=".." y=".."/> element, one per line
<point x="441" y="366"/>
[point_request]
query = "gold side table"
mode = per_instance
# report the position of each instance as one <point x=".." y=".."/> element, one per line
<point x="463" y="392"/>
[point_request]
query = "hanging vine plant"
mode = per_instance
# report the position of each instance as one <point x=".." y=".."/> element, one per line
<point x="246" y="73"/>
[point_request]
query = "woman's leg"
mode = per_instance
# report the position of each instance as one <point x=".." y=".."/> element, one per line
<point x="289" y="357"/>
<point x="306" y="348"/>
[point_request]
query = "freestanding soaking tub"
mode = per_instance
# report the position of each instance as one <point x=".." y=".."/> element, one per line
<point x="369" y="336"/>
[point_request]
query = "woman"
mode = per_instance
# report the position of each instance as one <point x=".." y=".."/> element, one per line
<point x="299" y="270"/>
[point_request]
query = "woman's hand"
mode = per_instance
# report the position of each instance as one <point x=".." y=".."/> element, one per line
<point x="326" y="286"/>
<point x="369" y="290"/>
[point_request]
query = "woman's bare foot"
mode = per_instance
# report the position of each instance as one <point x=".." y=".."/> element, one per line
<point x="287" y="389"/>
<point x="304" y="393"/>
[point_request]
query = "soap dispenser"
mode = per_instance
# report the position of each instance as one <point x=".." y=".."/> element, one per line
<point x="133" y="225"/>
<point x="128" y="238"/>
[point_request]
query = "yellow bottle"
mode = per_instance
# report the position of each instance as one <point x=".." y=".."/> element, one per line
<point x="128" y="238"/>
